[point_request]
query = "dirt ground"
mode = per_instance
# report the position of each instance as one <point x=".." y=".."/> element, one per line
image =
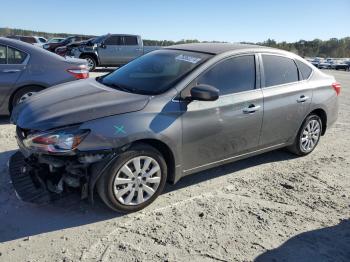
<point x="273" y="207"/>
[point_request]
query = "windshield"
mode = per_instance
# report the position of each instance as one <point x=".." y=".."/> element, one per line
<point x="155" y="72"/>
<point x="98" y="39"/>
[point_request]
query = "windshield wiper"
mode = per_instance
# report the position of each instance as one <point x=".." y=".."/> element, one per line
<point x="118" y="87"/>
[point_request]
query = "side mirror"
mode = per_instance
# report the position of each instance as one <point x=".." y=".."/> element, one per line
<point x="102" y="45"/>
<point x="204" y="93"/>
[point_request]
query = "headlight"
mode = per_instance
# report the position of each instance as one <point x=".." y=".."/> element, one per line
<point x="46" y="46"/>
<point x="58" y="141"/>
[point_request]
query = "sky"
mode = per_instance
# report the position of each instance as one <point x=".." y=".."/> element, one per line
<point x="219" y="20"/>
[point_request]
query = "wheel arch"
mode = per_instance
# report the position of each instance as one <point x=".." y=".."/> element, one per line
<point x="323" y="115"/>
<point x="93" y="55"/>
<point x="98" y="169"/>
<point x="17" y="90"/>
<point x="167" y="153"/>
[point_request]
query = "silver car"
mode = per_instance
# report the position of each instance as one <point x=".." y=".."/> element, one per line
<point x="165" y="115"/>
<point x="26" y="69"/>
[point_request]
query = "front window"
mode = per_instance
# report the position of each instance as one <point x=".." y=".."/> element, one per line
<point x="3" y="55"/>
<point x="155" y="72"/>
<point x="113" y="40"/>
<point x="233" y="75"/>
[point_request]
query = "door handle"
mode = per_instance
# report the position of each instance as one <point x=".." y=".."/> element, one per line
<point x="302" y="99"/>
<point x="251" y="109"/>
<point x="11" y="70"/>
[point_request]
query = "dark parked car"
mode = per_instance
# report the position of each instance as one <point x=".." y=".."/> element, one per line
<point x="26" y="70"/>
<point x="165" y="115"/>
<point x="71" y="39"/>
<point x="341" y="66"/>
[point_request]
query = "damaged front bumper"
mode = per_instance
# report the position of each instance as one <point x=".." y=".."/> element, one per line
<point x="39" y="176"/>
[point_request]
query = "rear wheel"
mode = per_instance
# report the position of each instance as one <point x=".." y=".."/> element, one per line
<point x="308" y="136"/>
<point x="134" y="180"/>
<point x="24" y="93"/>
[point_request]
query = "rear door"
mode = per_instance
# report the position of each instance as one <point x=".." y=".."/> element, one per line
<point x="12" y="64"/>
<point x="109" y="53"/>
<point x="287" y="99"/>
<point x="219" y="130"/>
<point x="130" y="49"/>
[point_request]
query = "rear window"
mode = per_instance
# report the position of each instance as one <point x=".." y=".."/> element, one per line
<point x="42" y="40"/>
<point x="304" y="69"/>
<point x="130" y="40"/>
<point x="15" y="56"/>
<point x="279" y="70"/>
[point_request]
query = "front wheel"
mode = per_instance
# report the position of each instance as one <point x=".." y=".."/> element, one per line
<point x="308" y="136"/>
<point x="134" y="180"/>
<point x="90" y="61"/>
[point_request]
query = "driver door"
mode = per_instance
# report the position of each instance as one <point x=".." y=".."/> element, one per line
<point x="220" y="130"/>
<point x="108" y="52"/>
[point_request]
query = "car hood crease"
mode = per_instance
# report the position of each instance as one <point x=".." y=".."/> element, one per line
<point x="73" y="103"/>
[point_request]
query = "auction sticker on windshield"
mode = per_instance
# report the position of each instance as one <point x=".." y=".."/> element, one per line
<point x="187" y="58"/>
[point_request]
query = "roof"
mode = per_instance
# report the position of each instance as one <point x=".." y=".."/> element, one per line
<point x="215" y="48"/>
<point x="28" y="48"/>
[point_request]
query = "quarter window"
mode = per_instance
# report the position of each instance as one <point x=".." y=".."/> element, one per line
<point x="304" y="69"/>
<point x="279" y="70"/>
<point x="113" y="40"/>
<point x="15" y="56"/>
<point x="232" y="75"/>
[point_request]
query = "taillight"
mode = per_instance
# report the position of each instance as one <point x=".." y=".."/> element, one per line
<point x="79" y="73"/>
<point x="336" y="86"/>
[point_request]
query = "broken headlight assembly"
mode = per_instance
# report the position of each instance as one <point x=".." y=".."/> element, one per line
<point x="56" y="141"/>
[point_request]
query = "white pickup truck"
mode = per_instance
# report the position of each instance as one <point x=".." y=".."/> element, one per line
<point x="110" y="50"/>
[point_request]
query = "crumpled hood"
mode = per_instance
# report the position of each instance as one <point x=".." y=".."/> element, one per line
<point x="74" y="102"/>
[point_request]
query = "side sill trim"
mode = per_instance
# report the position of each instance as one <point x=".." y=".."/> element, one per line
<point x="233" y="157"/>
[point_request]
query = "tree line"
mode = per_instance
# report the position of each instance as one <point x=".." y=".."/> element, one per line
<point x="315" y="48"/>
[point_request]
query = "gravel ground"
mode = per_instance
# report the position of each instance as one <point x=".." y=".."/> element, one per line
<point x="273" y="207"/>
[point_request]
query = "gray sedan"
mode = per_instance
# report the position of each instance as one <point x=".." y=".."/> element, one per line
<point x="26" y="69"/>
<point x="166" y="115"/>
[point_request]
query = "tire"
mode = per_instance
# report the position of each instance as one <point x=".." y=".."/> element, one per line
<point x="23" y="94"/>
<point x="300" y="146"/>
<point x="91" y="62"/>
<point x="111" y="184"/>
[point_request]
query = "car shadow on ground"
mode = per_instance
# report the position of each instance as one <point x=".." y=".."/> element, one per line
<point x="19" y="219"/>
<point x="325" y="244"/>
<point x="269" y="157"/>
<point x="4" y="120"/>
<point x="104" y="70"/>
